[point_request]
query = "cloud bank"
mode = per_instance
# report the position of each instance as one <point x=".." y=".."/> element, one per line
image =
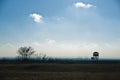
<point x="54" y="48"/>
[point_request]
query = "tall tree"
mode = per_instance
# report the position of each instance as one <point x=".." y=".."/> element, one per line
<point x="25" y="52"/>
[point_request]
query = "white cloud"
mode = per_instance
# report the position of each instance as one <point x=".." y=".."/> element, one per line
<point x="50" y="41"/>
<point x="37" y="17"/>
<point x="83" y="5"/>
<point x="60" y="18"/>
<point x="36" y="44"/>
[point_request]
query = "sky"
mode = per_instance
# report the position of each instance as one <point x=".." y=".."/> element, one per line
<point x="60" y="28"/>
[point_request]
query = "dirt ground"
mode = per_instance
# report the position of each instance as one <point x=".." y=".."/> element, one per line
<point x="59" y="71"/>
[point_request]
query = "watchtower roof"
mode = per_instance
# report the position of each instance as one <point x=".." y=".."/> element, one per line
<point x="95" y="54"/>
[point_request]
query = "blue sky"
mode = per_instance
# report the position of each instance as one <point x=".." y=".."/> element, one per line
<point x="61" y="28"/>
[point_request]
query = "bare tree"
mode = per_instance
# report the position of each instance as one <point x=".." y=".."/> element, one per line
<point x="41" y="56"/>
<point x="25" y="52"/>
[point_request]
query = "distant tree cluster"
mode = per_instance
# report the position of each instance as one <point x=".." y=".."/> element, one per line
<point x="25" y="53"/>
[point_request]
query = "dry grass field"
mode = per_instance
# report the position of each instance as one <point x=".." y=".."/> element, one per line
<point x="59" y="71"/>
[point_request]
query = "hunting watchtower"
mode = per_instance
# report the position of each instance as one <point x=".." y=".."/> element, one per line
<point x="95" y="56"/>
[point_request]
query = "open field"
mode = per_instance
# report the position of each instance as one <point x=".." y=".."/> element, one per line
<point x="59" y="71"/>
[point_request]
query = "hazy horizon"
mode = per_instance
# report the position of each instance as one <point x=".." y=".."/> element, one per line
<point x="61" y="28"/>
